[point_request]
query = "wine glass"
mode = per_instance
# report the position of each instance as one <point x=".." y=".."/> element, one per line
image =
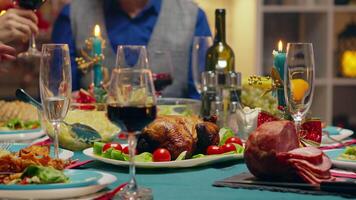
<point x="30" y="5"/>
<point x="55" y="85"/>
<point x="131" y="106"/>
<point x="299" y="80"/>
<point x="199" y="50"/>
<point x="132" y="56"/>
<point x="162" y="71"/>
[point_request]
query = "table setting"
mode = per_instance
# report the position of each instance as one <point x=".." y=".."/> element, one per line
<point x="121" y="138"/>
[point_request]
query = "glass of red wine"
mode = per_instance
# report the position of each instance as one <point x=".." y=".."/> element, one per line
<point x="162" y="70"/>
<point x="34" y="5"/>
<point x="131" y="105"/>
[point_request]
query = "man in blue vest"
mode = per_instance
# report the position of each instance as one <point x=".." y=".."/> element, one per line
<point x="161" y="25"/>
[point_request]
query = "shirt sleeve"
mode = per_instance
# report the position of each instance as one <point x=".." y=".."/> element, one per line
<point x="201" y="29"/>
<point x="62" y="34"/>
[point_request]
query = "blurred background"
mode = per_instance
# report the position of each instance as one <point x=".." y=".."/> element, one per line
<point x="253" y="30"/>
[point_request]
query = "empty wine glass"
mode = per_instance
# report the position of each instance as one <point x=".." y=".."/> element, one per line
<point x="30" y="5"/>
<point x="299" y="80"/>
<point x="199" y="50"/>
<point x="131" y="106"/>
<point x="55" y="85"/>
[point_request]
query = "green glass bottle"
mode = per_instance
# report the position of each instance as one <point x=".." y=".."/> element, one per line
<point x="220" y="57"/>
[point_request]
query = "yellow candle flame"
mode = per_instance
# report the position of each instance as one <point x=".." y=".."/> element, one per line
<point x="97" y="31"/>
<point x="280" y="46"/>
<point x="2" y="12"/>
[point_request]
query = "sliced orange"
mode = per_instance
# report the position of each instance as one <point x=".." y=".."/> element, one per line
<point x="299" y="88"/>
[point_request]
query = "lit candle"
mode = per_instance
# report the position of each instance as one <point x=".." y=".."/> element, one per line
<point x="97" y="51"/>
<point x="278" y="64"/>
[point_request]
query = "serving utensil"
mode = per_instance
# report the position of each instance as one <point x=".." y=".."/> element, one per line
<point x="82" y="132"/>
<point x="5" y="146"/>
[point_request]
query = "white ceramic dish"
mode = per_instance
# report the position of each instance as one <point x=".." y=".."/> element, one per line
<point x="340" y="163"/>
<point x="172" y="164"/>
<point x="340" y="134"/>
<point x="20" y="136"/>
<point x="64" y="193"/>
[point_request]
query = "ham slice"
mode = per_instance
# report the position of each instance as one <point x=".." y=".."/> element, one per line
<point x="311" y="178"/>
<point x="324" y="166"/>
<point x="310" y="154"/>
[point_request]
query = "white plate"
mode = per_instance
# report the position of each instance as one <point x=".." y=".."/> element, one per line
<point x="106" y="180"/>
<point x="172" y="164"/>
<point x="339" y="163"/>
<point x="343" y="134"/>
<point x="23" y="135"/>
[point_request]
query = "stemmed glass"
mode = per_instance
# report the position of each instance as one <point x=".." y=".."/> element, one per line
<point x="131" y="106"/>
<point x="55" y="85"/>
<point x="30" y="5"/>
<point x="199" y="50"/>
<point x="162" y="71"/>
<point x="299" y="80"/>
<point x="132" y="56"/>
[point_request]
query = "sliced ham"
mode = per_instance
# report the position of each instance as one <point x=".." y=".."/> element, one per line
<point x="311" y="178"/>
<point x="324" y="166"/>
<point x="310" y="154"/>
<point x="320" y="175"/>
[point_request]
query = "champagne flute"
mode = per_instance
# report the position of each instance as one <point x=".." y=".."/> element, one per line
<point x="131" y="106"/>
<point x="299" y="80"/>
<point x="55" y="85"/>
<point x="199" y="50"/>
<point x="30" y="5"/>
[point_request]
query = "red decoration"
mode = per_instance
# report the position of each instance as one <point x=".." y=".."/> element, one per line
<point x="310" y="133"/>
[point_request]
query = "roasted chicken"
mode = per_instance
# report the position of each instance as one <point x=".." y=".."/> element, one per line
<point x="178" y="134"/>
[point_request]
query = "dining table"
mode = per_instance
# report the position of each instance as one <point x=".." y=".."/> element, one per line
<point x="193" y="183"/>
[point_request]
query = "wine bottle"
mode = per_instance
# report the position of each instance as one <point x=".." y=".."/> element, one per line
<point x="220" y="57"/>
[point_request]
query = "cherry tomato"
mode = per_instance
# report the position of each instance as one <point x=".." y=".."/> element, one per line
<point x="125" y="150"/>
<point x="235" y="140"/>
<point x="161" y="155"/>
<point x="116" y="146"/>
<point x="213" y="149"/>
<point x="228" y="147"/>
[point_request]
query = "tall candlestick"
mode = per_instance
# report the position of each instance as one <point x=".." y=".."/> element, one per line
<point x="279" y="60"/>
<point x="97" y="51"/>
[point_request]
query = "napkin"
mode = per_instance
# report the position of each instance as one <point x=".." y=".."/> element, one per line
<point x="246" y="180"/>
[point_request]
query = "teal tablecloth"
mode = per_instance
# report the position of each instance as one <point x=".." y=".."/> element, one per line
<point x="194" y="183"/>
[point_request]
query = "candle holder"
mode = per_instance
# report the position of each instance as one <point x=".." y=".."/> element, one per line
<point x="90" y="61"/>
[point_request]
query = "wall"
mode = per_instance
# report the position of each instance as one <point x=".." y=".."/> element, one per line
<point x="241" y="29"/>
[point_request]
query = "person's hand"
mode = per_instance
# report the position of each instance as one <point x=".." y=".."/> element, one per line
<point x="7" y="52"/>
<point x="17" y="24"/>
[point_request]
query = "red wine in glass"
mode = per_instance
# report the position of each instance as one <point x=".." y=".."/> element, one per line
<point x="135" y="118"/>
<point x="32" y="49"/>
<point x="161" y="81"/>
<point x="30" y="4"/>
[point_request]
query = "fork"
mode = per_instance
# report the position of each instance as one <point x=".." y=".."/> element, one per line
<point x="326" y="133"/>
<point x="5" y="146"/>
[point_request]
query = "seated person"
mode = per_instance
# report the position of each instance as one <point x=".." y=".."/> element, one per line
<point x="161" y="25"/>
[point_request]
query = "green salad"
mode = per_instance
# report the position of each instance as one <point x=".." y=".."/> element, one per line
<point x="349" y="153"/>
<point x="17" y="124"/>
<point x="34" y="174"/>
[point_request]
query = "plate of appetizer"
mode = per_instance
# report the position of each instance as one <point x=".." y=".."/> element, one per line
<point x="187" y="142"/>
<point x="19" y="121"/>
<point x="344" y="158"/>
<point x="31" y="172"/>
<point x="38" y="182"/>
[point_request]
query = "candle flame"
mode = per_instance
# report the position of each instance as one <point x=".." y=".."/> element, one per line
<point x="97" y="31"/>
<point x="280" y="46"/>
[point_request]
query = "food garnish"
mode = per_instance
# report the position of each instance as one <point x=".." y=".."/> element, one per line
<point x="161" y="155"/>
<point x="349" y="153"/>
